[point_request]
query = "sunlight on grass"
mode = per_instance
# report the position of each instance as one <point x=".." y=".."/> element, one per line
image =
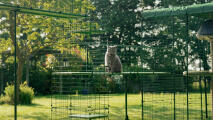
<point x="158" y="106"/>
<point x="39" y="110"/>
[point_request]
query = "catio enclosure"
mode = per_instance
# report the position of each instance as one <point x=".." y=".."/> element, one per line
<point x="170" y="86"/>
<point x="73" y="47"/>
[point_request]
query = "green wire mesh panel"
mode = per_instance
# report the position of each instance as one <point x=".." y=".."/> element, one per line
<point x="77" y="92"/>
<point x="79" y="97"/>
<point x="73" y="50"/>
<point x="6" y="73"/>
<point x="176" y="96"/>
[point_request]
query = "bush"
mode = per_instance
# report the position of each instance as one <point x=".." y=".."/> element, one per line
<point x="4" y="100"/>
<point x="40" y="78"/>
<point x="9" y="93"/>
<point x="25" y="97"/>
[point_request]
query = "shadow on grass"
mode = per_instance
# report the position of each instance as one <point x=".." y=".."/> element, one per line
<point x="42" y="96"/>
<point x="161" y="112"/>
<point x="36" y="116"/>
<point x="31" y="105"/>
<point x="81" y="97"/>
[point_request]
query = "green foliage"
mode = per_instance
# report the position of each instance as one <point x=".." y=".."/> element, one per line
<point x="9" y="94"/>
<point x="124" y="25"/>
<point x="26" y="94"/>
<point x="40" y="77"/>
<point x="119" y="18"/>
<point x="36" y="33"/>
<point x="4" y="99"/>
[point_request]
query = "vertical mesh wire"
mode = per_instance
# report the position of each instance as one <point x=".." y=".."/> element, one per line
<point x="173" y="103"/>
<point x="79" y="94"/>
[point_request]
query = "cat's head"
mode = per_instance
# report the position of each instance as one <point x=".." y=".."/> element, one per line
<point x="112" y="49"/>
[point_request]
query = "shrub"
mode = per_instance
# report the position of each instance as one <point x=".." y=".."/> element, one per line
<point x="4" y="100"/>
<point x="40" y="78"/>
<point x="26" y="94"/>
<point x="25" y="97"/>
<point x="9" y="93"/>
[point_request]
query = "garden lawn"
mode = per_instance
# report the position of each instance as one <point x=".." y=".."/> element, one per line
<point x="39" y="110"/>
<point x="157" y="106"/>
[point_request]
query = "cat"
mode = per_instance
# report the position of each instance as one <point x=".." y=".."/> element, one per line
<point x="112" y="61"/>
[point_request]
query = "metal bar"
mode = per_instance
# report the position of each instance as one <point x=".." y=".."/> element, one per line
<point x="197" y="9"/>
<point x="173" y="38"/>
<point x="201" y="99"/>
<point x="206" y="103"/>
<point x="142" y="89"/>
<point x="198" y="73"/>
<point x="187" y="63"/>
<point x="87" y="58"/>
<point x="142" y="97"/>
<point x="108" y="73"/>
<point x="211" y="82"/>
<point x="126" y="109"/>
<point x="201" y="93"/>
<point x="39" y="11"/>
<point x="15" y="75"/>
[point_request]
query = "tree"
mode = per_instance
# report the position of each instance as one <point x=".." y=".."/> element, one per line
<point x="120" y="20"/>
<point x="125" y="26"/>
<point x="197" y="49"/>
<point x="36" y="33"/>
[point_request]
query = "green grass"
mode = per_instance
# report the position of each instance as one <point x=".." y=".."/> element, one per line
<point x="156" y="107"/>
<point x="39" y="110"/>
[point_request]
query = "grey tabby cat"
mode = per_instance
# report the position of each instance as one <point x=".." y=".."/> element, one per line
<point x="112" y="61"/>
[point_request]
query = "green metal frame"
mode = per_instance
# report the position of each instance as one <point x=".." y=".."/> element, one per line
<point x="39" y="11"/>
<point x="15" y="74"/>
<point x="106" y="73"/>
<point x="164" y="12"/>
<point x="17" y="9"/>
<point x="197" y="9"/>
<point x="201" y="10"/>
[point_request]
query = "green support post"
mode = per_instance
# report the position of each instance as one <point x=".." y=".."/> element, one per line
<point x="201" y="99"/>
<point x="173" y="39"/>
<point x="15" y="75"/>
<point x="211" y="82"/>
<point x="142" y="99"/>
<point x="126" y="113"/>
<point x="206" y="104"/>
<point x="187" y="63"/>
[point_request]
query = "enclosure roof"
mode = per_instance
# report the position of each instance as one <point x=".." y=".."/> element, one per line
<point x="198" y="73"/>
<point x="176" y="11"/>
<point x="38" y="11"/>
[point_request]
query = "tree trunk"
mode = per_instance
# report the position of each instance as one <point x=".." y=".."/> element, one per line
<point x="19" y="77"/>
<point x="2" y="82"/>
<point x="27" y="71"/>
